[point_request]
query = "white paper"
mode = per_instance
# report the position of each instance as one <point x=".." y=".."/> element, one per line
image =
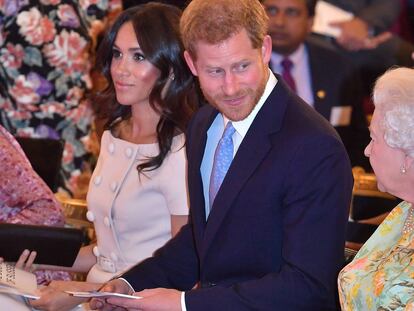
<point x="341" y="116"/>
<point x="326" y="13"/>
<point x="18" y="292"/>
<point x="15" y="281"/>
<point x="95" y="294"/>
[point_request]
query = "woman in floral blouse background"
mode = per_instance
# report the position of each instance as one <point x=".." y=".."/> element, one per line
<point x="46" y="54"/>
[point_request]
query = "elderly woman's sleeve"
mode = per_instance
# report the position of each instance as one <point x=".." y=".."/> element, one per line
<point x="24" y="197"/>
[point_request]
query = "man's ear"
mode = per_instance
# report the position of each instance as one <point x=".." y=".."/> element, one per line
<point x="266" y="49"/>
<point x="190" y="62"/>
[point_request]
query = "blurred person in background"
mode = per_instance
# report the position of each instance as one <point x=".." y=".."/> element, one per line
<point x="26" y="199"/>
<point x="322" y="77"/>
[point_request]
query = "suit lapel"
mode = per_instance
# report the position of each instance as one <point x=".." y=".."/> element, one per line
<point x="318" y="83"/>
<point x="253" y="149"/>
<point x="198" y="202"/>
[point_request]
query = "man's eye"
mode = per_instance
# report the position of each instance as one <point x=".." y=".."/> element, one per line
<point x="271" y="10"/>
<point x="292" y="12"/>
<point x="242" y="67"/>
<point x="214" y="72"/>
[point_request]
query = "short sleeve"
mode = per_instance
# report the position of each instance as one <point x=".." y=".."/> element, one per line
<point x="174" y="179"/>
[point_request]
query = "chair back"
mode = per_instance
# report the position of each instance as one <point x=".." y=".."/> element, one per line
<point x="45" y="156"/>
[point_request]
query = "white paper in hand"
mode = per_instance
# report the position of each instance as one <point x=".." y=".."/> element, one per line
<point x="325" y="14"/>
<point x="15" y="281"/>
<point x="96" y="294"/>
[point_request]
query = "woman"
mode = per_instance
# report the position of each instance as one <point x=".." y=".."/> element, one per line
<point x="137" y="196"/>
<point x="381" y="275"/>
<point x="26" y="199"/>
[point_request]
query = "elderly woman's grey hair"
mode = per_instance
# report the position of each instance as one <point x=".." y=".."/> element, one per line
<point x="393" y="96"/>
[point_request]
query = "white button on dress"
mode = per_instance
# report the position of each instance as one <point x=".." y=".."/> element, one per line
<point x="106" y="221"/>
<point x="95" y="251"/>
<point x="114" y="185"/>
<point x="128" y="152"/>
<point x="111" y="148"/>
<point x="90" y="216"/>
<point x="97" y="180"/>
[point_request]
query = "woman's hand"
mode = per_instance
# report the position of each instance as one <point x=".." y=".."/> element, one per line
<point x="53" y="296"/>
<point x="25" y="261"/>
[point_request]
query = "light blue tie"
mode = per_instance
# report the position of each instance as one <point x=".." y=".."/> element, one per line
<point x="222" y="160"/>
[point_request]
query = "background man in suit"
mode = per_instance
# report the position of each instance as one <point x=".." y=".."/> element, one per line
<point x="323" y="77"/>
<point x="367" y="39"/>
<point x="272" y="236"/>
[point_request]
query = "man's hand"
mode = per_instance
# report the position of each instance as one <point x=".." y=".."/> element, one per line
<point x="114" y="286"/>
<point x="158" y="299"/>
<point x="353" y="33"/>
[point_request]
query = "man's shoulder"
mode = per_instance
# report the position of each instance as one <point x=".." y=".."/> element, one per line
<point x="317" y="47"/>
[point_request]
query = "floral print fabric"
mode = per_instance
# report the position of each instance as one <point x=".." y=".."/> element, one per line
<point x="46" y="49"/>
<point x="381" y="276"/>
<point x="24" y="197"/>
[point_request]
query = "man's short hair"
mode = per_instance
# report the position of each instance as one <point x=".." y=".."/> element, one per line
<point x="215" y="21"/>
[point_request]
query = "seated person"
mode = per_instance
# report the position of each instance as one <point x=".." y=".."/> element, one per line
<point x="381" y="275"/>
<point x="26" y="199"/>
<point x="322" y="77"/>
<point x="137" y="196"/>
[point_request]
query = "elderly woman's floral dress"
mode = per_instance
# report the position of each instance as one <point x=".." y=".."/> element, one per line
<point x="381" y="276"/>
<point x="46" y="52"/>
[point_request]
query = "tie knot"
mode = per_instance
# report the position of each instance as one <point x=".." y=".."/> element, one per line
<point x="228" y="131"/>
<point x="287" y="64"/>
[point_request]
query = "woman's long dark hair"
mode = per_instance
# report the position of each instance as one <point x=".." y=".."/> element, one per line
<point x="156" y="27"/>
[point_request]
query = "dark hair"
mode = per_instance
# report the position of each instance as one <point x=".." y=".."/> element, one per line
<point x="156" y="27"/>
<point x="310" y="6"/>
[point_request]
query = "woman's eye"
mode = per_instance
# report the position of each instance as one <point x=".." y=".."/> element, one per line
<point x="139" y="57"/>
<point x="116" y="54"/>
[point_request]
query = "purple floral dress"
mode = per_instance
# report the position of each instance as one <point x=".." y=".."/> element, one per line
<point x="24" y="197"/>
<point x="46" y="49"/>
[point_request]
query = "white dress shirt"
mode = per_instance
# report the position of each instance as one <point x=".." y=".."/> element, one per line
<point x="300" y="72"/>
<point x="214" y="134"/>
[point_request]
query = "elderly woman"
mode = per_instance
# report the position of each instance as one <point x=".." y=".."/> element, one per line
<point x="381" y="275"/>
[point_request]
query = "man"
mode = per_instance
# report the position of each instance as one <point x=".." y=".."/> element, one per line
<point x="272" y="236"/>
<point x="321" y="76"/>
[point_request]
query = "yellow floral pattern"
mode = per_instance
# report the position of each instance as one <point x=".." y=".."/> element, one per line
<point x="381" y="275"/>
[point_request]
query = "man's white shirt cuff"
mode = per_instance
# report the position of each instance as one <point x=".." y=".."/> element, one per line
<point x="183" y="306"/>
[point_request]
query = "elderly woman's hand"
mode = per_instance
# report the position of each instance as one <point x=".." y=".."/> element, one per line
<point x="25" y="261"/>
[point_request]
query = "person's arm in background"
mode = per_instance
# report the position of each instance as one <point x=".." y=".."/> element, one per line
<point x="25" y="198"/>
<point x="369" y="27"/>
<point x="380" y="14"/>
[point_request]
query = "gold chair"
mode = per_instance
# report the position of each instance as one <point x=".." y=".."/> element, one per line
<point x="365" y="185"/>
<point x="75" y="216"/>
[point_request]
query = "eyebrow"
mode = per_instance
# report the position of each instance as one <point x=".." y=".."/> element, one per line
<point x="137" y="49"/>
